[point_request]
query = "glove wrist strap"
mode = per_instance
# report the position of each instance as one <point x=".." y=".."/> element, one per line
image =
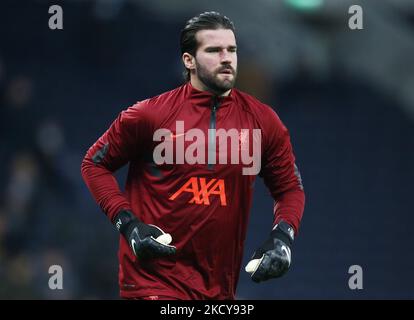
<point x="124" y="220"/>
<point x="284" y="232"/>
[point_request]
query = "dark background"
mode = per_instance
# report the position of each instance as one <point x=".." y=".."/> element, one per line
<point x="347" y="97"/>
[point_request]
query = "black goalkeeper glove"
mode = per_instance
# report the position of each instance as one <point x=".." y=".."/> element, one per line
<point x="146" y="240"/>
<point x="272" y="259"/>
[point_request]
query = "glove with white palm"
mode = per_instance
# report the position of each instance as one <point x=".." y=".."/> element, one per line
<point x="272" y="259"/>
<point x="146" y="240"/>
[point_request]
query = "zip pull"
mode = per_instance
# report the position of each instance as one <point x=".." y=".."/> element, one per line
<point x="214" y="107"/>
<point x="212" y="134"/>
<point x="215" y="103"/>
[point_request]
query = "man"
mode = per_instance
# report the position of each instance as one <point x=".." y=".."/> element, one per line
<point x="183" y="218"/>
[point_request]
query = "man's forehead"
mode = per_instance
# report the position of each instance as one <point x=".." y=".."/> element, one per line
<point x="219" y="37"/>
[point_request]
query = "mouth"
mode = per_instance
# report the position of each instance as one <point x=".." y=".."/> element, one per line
<point x="226" y="71"/>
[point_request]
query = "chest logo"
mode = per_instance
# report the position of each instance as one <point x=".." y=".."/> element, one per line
<point x="202" y="190"/>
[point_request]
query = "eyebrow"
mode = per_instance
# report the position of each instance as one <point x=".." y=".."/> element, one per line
<point x="218" y="47"/>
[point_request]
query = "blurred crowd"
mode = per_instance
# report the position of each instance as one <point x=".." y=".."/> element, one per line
<point x="42" y="220"/>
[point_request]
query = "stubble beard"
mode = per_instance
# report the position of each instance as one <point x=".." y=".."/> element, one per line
<point x="212" y="82"/>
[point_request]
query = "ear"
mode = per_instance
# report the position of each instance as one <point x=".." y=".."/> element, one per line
<point x="188" y="60"/>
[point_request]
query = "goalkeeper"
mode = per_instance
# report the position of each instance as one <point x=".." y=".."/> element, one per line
<point x="183" y="223"/>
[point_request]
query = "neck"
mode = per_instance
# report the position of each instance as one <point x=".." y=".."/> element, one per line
<point x="197" y="84"/>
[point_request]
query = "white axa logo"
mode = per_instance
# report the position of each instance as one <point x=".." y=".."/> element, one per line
<point x="195" y="153"/>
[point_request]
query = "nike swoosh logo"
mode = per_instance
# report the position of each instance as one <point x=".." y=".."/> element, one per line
<point x="175" y="136"/>
<point x="133" y="244"/>
<point x="287" y="251"/>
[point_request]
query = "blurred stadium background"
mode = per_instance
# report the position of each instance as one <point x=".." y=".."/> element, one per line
<point x="346" y="96"/>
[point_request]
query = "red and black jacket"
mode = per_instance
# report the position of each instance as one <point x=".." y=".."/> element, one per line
<point x="205" y="207"/>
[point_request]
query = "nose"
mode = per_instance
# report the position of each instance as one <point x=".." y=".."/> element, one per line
<point x="225" y="57"/>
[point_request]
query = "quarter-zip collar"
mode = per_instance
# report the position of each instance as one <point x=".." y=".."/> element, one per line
<point x="205" y="98"/>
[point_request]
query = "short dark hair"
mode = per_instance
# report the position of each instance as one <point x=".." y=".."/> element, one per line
<point x="205" y="21"/>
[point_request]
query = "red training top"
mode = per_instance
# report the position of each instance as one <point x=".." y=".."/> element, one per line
<point x="204" y="206"/>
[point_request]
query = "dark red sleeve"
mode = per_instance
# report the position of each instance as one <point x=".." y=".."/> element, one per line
<point x="120" y="144"/>
<point x="280" y="172"/>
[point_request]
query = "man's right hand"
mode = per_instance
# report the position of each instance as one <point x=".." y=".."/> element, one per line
<point x="146" y="240"/>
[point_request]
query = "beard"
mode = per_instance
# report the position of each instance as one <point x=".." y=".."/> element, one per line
<point x="212" y="81"/>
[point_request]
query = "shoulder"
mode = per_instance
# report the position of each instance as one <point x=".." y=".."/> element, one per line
<point x="263" y="113"/>
<point x="166" y="99"/>
<point x="152" y="108"/>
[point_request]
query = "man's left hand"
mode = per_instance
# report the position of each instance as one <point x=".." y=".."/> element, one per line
<point x="273" y="258"/>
